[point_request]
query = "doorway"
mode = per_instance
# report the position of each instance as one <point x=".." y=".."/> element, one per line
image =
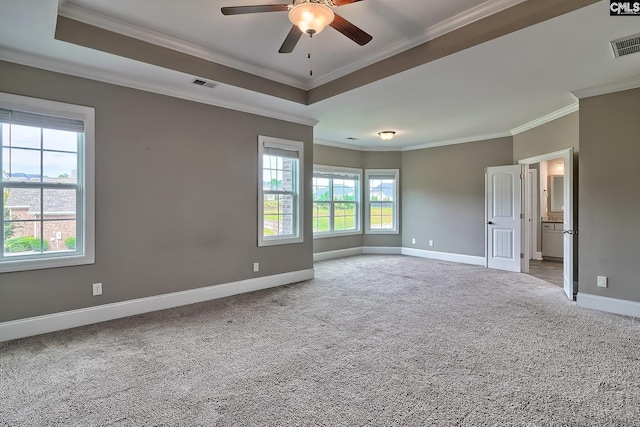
<point x="558" y="199"/>
<point x="518" y="233"/>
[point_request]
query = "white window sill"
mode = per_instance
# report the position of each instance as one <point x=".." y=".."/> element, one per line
<point x="329" y="235"/>
<point x="7" y="266"/>
<point x="381" y="232"/>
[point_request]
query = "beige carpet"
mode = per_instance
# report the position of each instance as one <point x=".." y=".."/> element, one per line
<point x="373" y="340"/>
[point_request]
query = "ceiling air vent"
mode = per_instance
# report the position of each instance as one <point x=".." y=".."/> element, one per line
<point x="626" y="45"/>
<point x="205" y="83"/>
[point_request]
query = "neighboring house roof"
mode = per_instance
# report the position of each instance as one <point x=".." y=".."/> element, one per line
<point x="55" y="201"/>
<point x="386" y="189"/>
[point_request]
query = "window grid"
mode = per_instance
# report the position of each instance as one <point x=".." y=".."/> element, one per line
<point x="382" y="209"/>
<point x="47" y="183"/>
<point x="9" y="183"/>
<point x="280" y="208"/>
<point x="280" y="197"/>
<point x="336" y="201"/>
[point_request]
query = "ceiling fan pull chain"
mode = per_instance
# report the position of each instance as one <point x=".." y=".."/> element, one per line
<point x="309" y="54"/>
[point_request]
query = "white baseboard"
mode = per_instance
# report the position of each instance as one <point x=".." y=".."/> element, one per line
<point x="445" y="256"/>
<point x="340" y="253"/>
<point x="381" y="250"/>
<point x="394" y="250"/>
<point x="537" y="256"/>
<point x="85" y="316"/>
<point x="610" y="305"/>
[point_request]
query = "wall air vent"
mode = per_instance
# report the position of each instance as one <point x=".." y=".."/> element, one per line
<point x="205" y="83"/>
<point x="626" y="45"/>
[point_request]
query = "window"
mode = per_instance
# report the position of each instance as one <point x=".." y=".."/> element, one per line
<point x="280" y="193"/>
<point x="381" y="208"/>
<point x="336" y="201"/>
<point x="46" y="184"/>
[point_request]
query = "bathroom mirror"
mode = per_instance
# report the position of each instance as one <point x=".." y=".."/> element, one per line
<point x="556" y="186"/>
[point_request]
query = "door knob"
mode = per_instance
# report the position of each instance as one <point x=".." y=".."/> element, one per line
<point x="489" y="223"/>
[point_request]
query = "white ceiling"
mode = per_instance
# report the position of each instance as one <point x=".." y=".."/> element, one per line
<point x="484" y="91"/>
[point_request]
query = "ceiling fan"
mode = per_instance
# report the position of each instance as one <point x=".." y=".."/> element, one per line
<point x="307" y="16"/>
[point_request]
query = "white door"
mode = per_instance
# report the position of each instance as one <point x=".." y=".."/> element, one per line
<point x="504" y="217"/>
<point x="569" y="232"/>
<point x="569" y="285"/>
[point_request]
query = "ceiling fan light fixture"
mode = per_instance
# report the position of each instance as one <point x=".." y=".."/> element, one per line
<point x="387" y="135"/>
<point x="311" y="18"/>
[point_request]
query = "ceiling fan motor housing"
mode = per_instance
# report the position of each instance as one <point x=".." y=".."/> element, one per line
<point x="311" y="16"/>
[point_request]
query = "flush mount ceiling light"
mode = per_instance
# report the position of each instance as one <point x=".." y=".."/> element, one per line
<point x="386" y="135"/>
<point x="311" y="18"/>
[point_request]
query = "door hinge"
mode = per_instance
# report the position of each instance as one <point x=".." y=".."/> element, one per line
<point x="521" y="176"/>
<point x="521" y="216"/>
<point x="521" y="255"/>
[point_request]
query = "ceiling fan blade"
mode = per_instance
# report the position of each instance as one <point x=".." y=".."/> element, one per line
<point x="350" y="30"/>
<point x="239" y="10"/>
<point x="291" y="40"/>
<point x="343" y="2"/>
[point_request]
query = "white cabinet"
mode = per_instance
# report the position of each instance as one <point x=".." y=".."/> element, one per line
<point x="552" y="240"/>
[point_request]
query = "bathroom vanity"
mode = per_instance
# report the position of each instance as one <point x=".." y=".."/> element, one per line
<point x="552" y="240"/>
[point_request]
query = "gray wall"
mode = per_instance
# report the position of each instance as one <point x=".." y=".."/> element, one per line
<point x="553" y="136"/>
<point x="176" y="197"/>
<point x="610" y="194"/>
<point x="443" y="195"/>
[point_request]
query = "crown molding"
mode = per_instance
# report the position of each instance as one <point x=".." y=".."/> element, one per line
<point x="115" y="25"/>
<point x="96" y="19"/>
<point x="126" y="81"/>
<point x="464" y="140"/>
<point x="608" y="88"/>
<point x="338" y="145"/>
<point x="546" y="119"/>
<point x="460" y="20"/>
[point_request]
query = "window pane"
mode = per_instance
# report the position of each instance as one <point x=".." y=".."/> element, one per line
<point x="289" y="167"/>
<point x="22" y="136"/>
<point x="321" y="221"/>
<point x="60" y="167"/>
<point x="278" y="174"/>
<point x="60" y="140"/>
<point x="22" y="203"/>
<point x="60" y="234"/>
<point x="381" y="216"/>
<point x="278" y="215"/>
<point x="344" y="216"/>
<point x="59" y="204"/>
<point x="381" y="189"/>
<point x="344" y="189"/>
<point x="386" y="216"/>
<point x="20" y="165"/>
<point x="321" y="189"/>
<point x="21" y="237"/>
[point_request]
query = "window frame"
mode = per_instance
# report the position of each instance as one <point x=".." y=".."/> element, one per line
<point x="85" y="199"/>
<point x="392" y="173"/>
<point x="283" y="144"/>
<point x="326" y="169"/>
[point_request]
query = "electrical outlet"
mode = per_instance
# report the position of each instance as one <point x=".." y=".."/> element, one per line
<point x="97" y="289"/>
<point x="413" y="241"/>
<point x="602" y="281"/>
<point x="256" y="267"/>
<point x="430" y="242"/>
